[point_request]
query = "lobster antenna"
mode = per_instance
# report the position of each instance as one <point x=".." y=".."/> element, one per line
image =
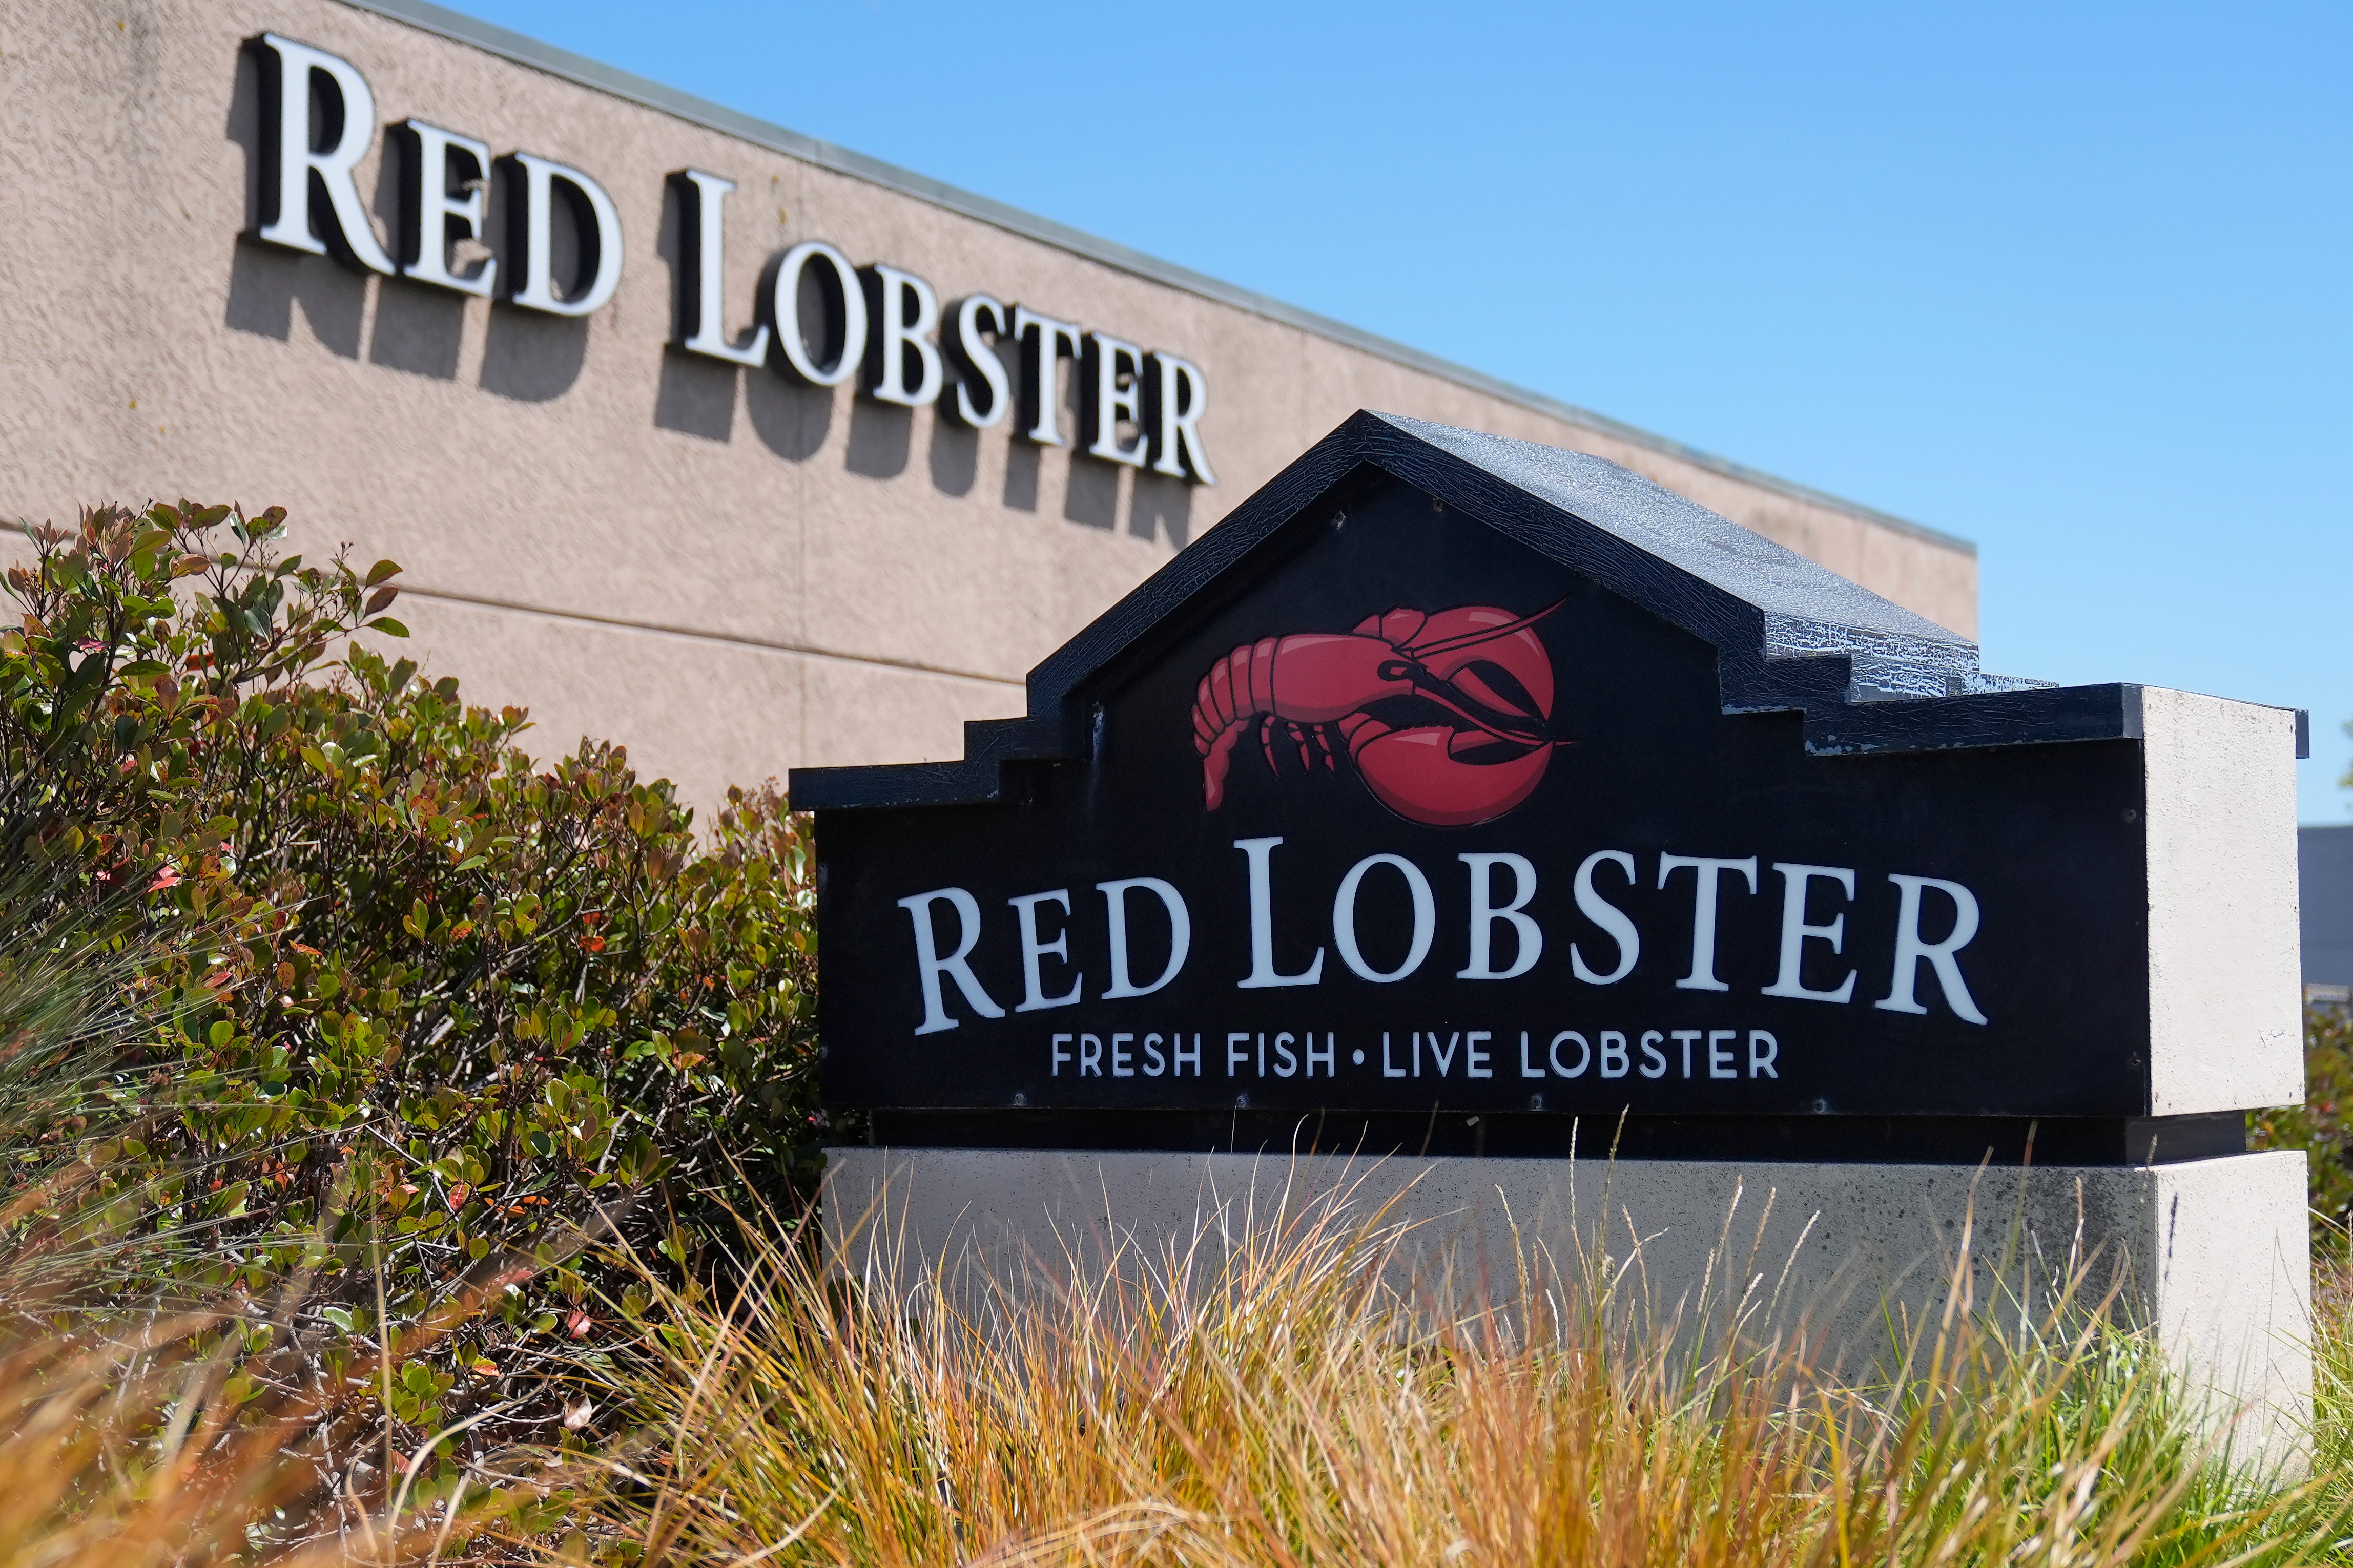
<point x="1471" y="639"/>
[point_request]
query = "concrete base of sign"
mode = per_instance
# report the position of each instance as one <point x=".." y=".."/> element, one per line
<point x="2211" y="1253"/>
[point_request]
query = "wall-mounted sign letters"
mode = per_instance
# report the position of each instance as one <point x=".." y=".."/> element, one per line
<point x="820" y="319"/>
<point x="1453" y="775"/>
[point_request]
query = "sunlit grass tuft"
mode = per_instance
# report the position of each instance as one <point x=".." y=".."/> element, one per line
<point x="1282" y="1394"/>
<point x="1273" y="1393"/>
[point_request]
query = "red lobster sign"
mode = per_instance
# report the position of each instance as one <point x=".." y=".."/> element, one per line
<point x="1446" y="717"/>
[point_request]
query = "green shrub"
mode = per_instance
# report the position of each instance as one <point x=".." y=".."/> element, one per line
<point x="430" y="1009"/>
<point x="2322" y="1126"/>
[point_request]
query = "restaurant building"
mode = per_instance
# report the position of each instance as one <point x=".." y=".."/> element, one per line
<point x="689" y="431"/>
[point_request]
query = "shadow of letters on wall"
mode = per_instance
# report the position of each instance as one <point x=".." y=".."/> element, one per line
<point x="264" y="286"/>
<point x="532" y="359"/>
<point x="881" y="437"/>
<point x="1161" y="506"/>
<point x="791" y="419"/>
<point x="450" y="220"/>
<point x="1092" y="496"/>
<point x="955" y="458"/>
<point x="416" y="330"/>
<point x="1021" y="477"/>
<point x="696" y="397"/>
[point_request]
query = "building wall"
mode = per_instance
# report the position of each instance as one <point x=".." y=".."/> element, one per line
<point x="731" y="572"/>
<point x="2323" y="858"/>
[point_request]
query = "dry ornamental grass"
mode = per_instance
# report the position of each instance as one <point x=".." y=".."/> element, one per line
<point x="1275" y="1393"/>
<point x="1301" y="1399"/>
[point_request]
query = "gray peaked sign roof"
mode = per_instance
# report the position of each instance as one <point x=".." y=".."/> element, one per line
<point x="1789" y="635"/>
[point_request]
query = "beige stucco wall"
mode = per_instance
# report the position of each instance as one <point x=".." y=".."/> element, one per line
<point x="732" y="574"/>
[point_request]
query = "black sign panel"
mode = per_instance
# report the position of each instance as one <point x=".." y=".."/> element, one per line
<point x="1433" y="784"/>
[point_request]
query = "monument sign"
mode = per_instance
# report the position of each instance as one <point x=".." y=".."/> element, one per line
<point x="1459" y="796"/>
<point x="1459" y="775"/>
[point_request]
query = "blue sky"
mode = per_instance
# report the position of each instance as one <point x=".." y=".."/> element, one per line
<point x="2071" y="281"/>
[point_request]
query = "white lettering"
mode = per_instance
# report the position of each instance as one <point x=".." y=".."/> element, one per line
<point x="1684" y="1038"/>
<point x="976" y="360"/>
<point x="844" y="335"/>
<point x="1344" y="918"/>
<point x="930" y="965"/>
<point x="703" y="272"/>
<point x="1795" y="880"/>
<point x="1485" y="914"/>
<point x="286" y="69"/>
<point x="592" y="216"/>
<point x="1032" y="950"/>
<point x="1910" y="949"/>
<point x="1175" y="392"/>
<point x="1719" y="1056"/>
<point x="1261" y="906"/>
<point x="1445" y="1060"/>
<point x="1113" y="391"/>
<point x="1704" y="873"/>
<point x="1327" y="1055"/>
<point x="1613" y="1054"/>
<point x="1584" y="1054"/>
<point x="904" y="311"/>
<point x="428" y="211"/>
<point x="1046" y="343"/>
<point x="1180" y="934"/>
<point x="1608" y="917"/>
<point x="1763" y="1049"/>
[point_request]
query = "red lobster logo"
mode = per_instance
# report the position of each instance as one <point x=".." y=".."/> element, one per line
<point x="1446" y="717"/>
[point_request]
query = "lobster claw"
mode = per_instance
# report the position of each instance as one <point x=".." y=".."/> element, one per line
<point x="1416" y="774"/>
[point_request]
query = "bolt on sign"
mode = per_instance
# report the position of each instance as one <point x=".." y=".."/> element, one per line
<point x="1457" y="786"/>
